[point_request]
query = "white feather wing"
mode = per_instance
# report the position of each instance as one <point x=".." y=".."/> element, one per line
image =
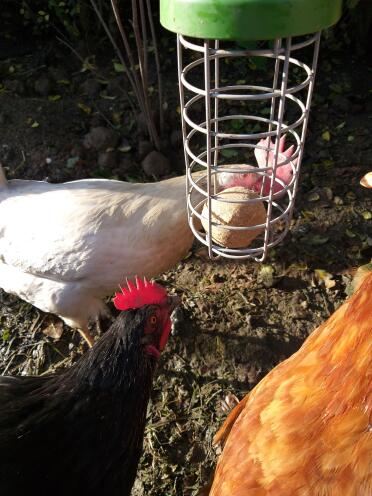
<point x="95" y="232"/>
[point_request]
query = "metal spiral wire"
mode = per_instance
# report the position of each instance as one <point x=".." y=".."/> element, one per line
<point x="203" y="188"/>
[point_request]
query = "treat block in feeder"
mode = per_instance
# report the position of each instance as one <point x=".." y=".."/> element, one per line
<point x="237" y="213"/>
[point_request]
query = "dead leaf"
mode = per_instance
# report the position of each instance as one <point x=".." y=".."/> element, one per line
<point x="266" y="275"/>
<point x="313" y="197"/>
<point x="349" y="233"/>
<point x="54" y="330"/>
<point x="307" y="214"/>
<point x="229" y="402"/>
<point x="367" y="215"/>
<point x="54" y="98"/>
<point x="325" y="278"/>
<point x="89" y="64"/>
<point x="202" y="253"/>
<point x="84" y="108"/>
<point x="214" y="288"/>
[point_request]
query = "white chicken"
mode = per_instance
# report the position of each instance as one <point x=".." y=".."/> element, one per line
<point x="63" y="247"/>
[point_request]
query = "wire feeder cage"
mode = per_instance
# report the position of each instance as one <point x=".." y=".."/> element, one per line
<point x="209" y="152"/>
<point x="228" y="122"/>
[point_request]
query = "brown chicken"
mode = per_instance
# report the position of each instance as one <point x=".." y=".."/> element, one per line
<point x="305" y="429"/>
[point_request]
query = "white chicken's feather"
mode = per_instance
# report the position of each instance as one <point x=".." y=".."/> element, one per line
<point x="63" y="247"/>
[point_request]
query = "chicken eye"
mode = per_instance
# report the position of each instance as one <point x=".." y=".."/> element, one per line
<point x="153" y="320"/>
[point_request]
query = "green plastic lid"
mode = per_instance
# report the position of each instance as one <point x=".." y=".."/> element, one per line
<point x="248" y="19"/>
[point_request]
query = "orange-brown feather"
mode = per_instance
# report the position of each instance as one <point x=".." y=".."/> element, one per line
<point x="305" y="429"/>
<point x="224" y="432"/>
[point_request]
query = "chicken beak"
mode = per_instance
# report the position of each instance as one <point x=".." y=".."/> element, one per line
<point x="173" y="302"/>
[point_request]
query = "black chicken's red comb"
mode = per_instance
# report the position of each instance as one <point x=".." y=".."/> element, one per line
<point x="141" y="293"/>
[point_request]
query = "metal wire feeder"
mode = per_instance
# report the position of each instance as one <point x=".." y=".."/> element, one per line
<point x="203" y="188"/>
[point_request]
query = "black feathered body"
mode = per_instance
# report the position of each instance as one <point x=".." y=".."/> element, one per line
<point x="79" y="432"/>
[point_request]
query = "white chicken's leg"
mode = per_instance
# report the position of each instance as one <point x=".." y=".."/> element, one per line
<point x="85" y="333"/>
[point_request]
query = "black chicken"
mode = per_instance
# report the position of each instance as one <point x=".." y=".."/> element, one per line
<point x="81" y="431"/>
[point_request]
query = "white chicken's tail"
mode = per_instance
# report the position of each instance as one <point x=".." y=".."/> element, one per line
<point x="3" y="181"/>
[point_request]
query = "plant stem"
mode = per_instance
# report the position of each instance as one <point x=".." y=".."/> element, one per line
<point x="117" y="49"/>
<point x="142" y="93"/>
<point x="158" y="66"/>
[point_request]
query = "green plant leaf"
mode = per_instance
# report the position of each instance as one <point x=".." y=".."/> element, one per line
<point x="84" y="108"/>
<point x="118" y="67"/>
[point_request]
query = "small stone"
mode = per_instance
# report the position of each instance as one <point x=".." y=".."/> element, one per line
<point x="100" y="138"/>
<point x="155" y="164"/>
<point x="144" y="148"/>
<point x="91" y="87"/>
<point x="125" y="164"/>
<point x="328" y="193"/>
<point x="142" y="123"/>
<point x="107" y="159"/>
<point x="96" y="120"/>
<point x="72" y="162"/>
<point x="43" y="86"/>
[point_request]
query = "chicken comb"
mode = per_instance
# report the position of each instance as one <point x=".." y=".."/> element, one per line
<point x="138" y="294"/>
